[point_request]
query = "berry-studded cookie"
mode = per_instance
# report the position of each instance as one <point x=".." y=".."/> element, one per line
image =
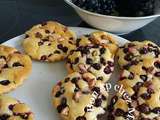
<point x="50" y="41"/>
<point x="12" y="109"/>
<point x="14" y="68"/>
<point x="132" y="82"/>
<point x="101" y="38"/>
<point x="80" y="97"/>
<point x="149" y="100"/>
<point x="135" y="53"/>
<point x="121" y="108"/>
<point x="104" y="38"/>
<point x="95" y="59"/>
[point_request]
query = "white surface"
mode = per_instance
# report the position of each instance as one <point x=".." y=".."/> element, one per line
<point x="114" y="24"/>
<point x="36" y="90"/>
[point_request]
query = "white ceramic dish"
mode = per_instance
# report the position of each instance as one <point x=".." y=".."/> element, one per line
<point x="36" y="90"/>
<point x="114" y="24"/>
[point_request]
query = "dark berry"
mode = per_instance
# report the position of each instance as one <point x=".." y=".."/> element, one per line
<point x="76" y="60"/>
<point x="102" y="50"/>
<point x="156" y="110"/>
<point x="81" y="118"/>
<point x="64" y="49"/>
<point x="96" y="66"/>
<point x="125" y="50"/>
<point x="89" y="61"/>
<point x="119" y="112"/>
<point x="146" y="96"/>
<point x="4" y="117"/>
<point x="107" y="70"/>
<point x="11" y="107"/>
<point x="128" y="57"/>
<point x="61" y="107"/>
<point x="17" y="64"/>
<point x="74" y="80"/>
<point x="103" y="61"/>
<point x="157" y="74"/>
<point x="57" y="52"/>
<point x="44" y="57"/>
<point x="110" y="63"/>
<point x="157" y="64"/>
<point x="143" y="50"/>
<point x="3" y="57"/>
<point x="144" y="77"/>
<point x="5" y="82"/>
<point x="98" y="102"/>
<point x="144" y="108"/>
<point x="38" y="35"/>
<point x="137" y="86"/>
<point x="96" y="89"/>
<point x="131" y="76"/>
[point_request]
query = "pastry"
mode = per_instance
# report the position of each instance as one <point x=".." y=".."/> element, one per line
<point x="12" y="109"/>
<point x="80" y="97"/>
<point x="92" y="58"/>
<point x="50" y="41"/>
<point x="101" y="38"/>
<point x="135" y="53"/>
<point x="14" y="68"/>
<point x="121" y="109"/>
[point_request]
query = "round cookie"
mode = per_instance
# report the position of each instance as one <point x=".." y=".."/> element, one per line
<point x="12" y="109"/>
<point x="50" y="41"/>
<point x="148" y="100"/>
<point x="121" y="109"/>
<point x="101" y="38"/>
<point x="14" y="68"/>
<point x="80" y="97"/>
<point x="136" y="52"/>
<point x="95" y="59"/>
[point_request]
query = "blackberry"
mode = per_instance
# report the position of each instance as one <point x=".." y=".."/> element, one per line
<point x="79" y="3"/>
<point x="135" y="8"/>
<point x="106" y="7"/>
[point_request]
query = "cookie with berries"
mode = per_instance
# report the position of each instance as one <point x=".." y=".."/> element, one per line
<point x="49" y="41"/>
<point x="121" y="108"/>
<point x="134" y="53"/>
<point x="101" y="38"/>
<point x="12" y="109"/>
<point x="93" y="58"/>
<point x="81" y="92"/>
<point x="14" y="68"/>
<point x="148" y="100"/>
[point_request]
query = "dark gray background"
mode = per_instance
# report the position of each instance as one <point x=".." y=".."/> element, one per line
<point x="19" y="15"/>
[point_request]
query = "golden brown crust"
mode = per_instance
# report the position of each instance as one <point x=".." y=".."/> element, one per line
<point x="12" y="109"/>
<point x="50" y="41"/>
<point x="95" y="59"/>
<point x="15" y="68"/>
<point x="76" y="91"/>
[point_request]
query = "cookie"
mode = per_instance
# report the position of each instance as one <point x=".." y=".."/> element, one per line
<point x="104" y="38"/>
<point x="95" y="59"/>
<point x="80" y="97"/>
<point x="132" y="82"/>
<point x="121" y="109"/>
<point x="12" y="109"/>
<point x="50" y="41"/>
<point x="101" y="38"/>
<point x="14" y="68"/>
<point x="134" y="53"/>
<point x="148" y="100"/>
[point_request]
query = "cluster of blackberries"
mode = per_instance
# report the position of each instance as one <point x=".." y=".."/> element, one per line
<point x="131" y="8"/>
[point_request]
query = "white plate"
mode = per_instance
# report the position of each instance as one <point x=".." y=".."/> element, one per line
<point x="36" y="90"/>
